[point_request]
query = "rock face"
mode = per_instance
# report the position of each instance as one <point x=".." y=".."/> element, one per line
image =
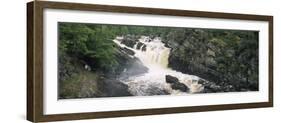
<point x="175" y="84"/>
<point x="195" y="52"/>
<point x="128" y="51"/>
<point x="156" y="91"/>
<point x="211" y="87"/>
<point x="135" y="68"/>
<point x="113" y="88"/>
<point x="139" y="45"/>
<point x="179" y="86"/>
<point x="203" y="70"/>
<point x="129" y="66"/>
<point x="171" y="79"/>
<point x="129" y="43"/>
<point x="130" y="40"/>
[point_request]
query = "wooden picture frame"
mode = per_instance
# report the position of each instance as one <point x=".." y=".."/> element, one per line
<point x="35" y="60"/>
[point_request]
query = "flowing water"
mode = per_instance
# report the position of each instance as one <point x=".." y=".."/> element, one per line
<point x="155" y="58"/>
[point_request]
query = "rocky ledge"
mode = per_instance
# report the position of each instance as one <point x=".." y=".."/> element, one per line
<point x="175" y="84"/>
<point x="112" y="88"/>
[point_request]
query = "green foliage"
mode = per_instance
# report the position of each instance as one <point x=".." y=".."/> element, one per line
<point x="73" y="38"/>
<point x="88" y="43"/>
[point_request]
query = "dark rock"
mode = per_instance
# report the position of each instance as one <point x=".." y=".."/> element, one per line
<point x="128" y="51"/>
<point x="152" y="90"/>
<point x="135" y="68"/>
<point x="201" y="81"/>
<point x="213" y="59"/>
<point x="180" y="86"/>
<point x="129" y="41"/>
<point x="210" y="87"/>
<point x="139" y="45"/>
<point x="171" y="79"/>
<point x="143" y="48"/>
<point x="210" y="62"/>
<point x="254" y="86"/>
<point x="228" y="88"/>
<point x="113" y="88"/>
<point x="175" y="84"/>
<point x="128" y="66"/>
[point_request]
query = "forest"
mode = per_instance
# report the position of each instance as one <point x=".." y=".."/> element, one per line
<point x="90" y="62"/>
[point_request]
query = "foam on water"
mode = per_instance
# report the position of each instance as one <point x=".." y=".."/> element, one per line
<point x="155" y="58"/>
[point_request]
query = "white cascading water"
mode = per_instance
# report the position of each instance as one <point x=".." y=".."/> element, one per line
<point x="155" y="58"/>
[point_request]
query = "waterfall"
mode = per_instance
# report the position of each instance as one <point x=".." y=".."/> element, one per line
<point x="154" y="55"/>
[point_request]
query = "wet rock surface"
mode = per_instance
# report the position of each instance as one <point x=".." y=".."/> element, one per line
<point x="128" y="51"/>
<point x="180" y="86"/>
<point x="171" y="79"/>
<point x="129" y="66"/>
<point x="113" y="88"/>
<point x="175" y="84"/>
<point x="214" y="60"/>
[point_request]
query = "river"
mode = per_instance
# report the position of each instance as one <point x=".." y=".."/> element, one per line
<point x="155" y="58"/>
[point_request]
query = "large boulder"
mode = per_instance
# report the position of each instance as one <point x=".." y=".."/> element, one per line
<point x="171" y="79"/>
<point x="113" y="88"/>
<point x="175" y="84"/>
<point x="128" y="66"/>
<point x="180" y="86"/>
<point x="135" y="68"/>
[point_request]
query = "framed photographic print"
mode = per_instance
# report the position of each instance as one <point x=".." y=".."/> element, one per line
<point x="96" y="61"/>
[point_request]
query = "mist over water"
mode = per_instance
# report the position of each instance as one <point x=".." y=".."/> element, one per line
<point x="155" y="58"/>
